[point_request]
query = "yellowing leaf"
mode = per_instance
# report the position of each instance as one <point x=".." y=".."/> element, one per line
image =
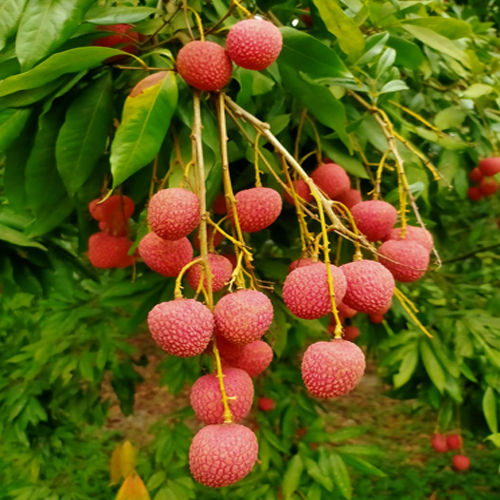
<point x="128" y="455"/>
<point x="133" y="489"/>
<point x="115" y="468"/>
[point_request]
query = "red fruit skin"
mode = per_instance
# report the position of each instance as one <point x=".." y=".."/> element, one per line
<point x="228" y="350"/>
<point x="302" y="190"/>
<point x="222" y="454"/>
<point x="406" y="260"/>
<point x="254" y="43"/>
<point x="124" y="39"/>
<point x="107" y="251"/>
<point x="370" y="286"/>
<point x="254" y="358"/>
<point x="266" y="404"/>
<point x="306" y="292"/>
<point x="475" y="175"/>
<point x="331" y="369"/>
<point x="174" y="213"/>
<point x="350" y="198"/>
<point x="243" y="316"/>
<point x="346" y="311"/>
<point x="114" y="212"/>
<point x="302" y="262"/>
<point x="204" y="65"/>
<point x="219" y="205"/>
<point x="216" y="238"/>
<point x="220" y="267"/>
<point x="165" y="257"/>
<point x="147" y="82"/>
<point x="454" y="441"/>
<point x="461" y="462"/>
<point x="376" y="318"/>
<point x="487" y="187"/>
<point x="490" y="166"/>
<point x="474" y="193"/>
<point x="374" y="218"/>
<point x="257" y="208"/>
<point x="438" y="442"/>
<point x="351" y="333"/>
<point x="182" y="327"/>
<point x="413" y="233"/>
<point x="206" y="398"/>
<point x="332" y="179"/>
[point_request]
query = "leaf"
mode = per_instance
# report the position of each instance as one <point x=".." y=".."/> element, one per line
<point x="10" y="13"/>
<point x="115" y="470"/>
<point x="45" y="25"/>
<point x="341" y="475"/>
<point x="446" y="26"/>
<point x="495" y="439"/>
<point x="408" y="54"/>
<point x="385" y="62"/>
<point x="69" y="61"/>
<point x="432" y="366"/>
<point x="349" y="36"/>
<point x="451" y="117"/>
<point x="133" y="489"/>
<point x="349" y="163"/>
<point x="406" y="369"/>
<point x="128" y="456"/>
<point x="291" y="478"/>
<point x="145" y="121"/>
<point x="345" y="434"/>
<point x="314" y="471"/>
<point x="478" y="90"/>
<point x="113" y="15"/>
<point x="394" y="86"/>
<point x="18" y="238"/>
<point x="84" y="133"/>
<point x="12" y="122"/>
<point x="490" y="409"/>
<point x="363" y="466"/>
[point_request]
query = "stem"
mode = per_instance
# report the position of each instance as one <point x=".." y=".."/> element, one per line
<point x="178" y="280"/>
<point x="404" y="303"/>
<point x="243" y="9"/>
<point x="228" y="417"/>
<point x="299" y="133"/>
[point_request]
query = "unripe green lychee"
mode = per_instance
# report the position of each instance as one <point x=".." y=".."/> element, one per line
<point x="332" y="179"/>
<point x="220" y="267"/>
<point x="107" y="251"/>
<point x="374" y="218"/>
<point x="254" y="358"/>
<point x="407" y="260"/>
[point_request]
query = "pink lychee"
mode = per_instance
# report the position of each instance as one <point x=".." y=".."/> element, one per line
<point x="228" y="350"/>
<point x="351" y="333"/>
<point x="350" y="198"/>
<point x="407" y="260"/>
<point x="254" y="358"/>
<point x="490" y="166"/>
<point x="454" y="441"/>
<point x="374" y="218"/>
<point x="438" y="442"/>
<point x="475" y="175"/>
<point x="413" y="233"/>
<point x="220" y="267"/>
<point x="107" y="251"/>
<point x="345" y="311"/>
<point x="266" y="404"/>
<point x="302" y="190"/>
<point x="332" y="179"/>
<point x="302" y="262"/>
<point x="461" y="462"/>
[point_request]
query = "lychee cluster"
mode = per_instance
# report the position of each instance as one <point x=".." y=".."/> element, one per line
<point x="482" y="179"/>
<point x="442" y="444"/>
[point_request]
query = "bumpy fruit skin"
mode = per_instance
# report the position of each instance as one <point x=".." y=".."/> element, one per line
<point x="107" y="251"/>
<point x="254" y="358"/>
<point x="204" y="65"/>
<point x="243" y="316"/>
<point x="406" y="260"/>
<point x="306" y="292"/>
<point x="113" y="213"/>
<point x="147" y="82"/>
<point x="475" y="175"/>
<point x="454" y="441"/>
<point x="374" y="218"/>
<point x="228" y="350"/>
<point x="257" y="208"/>
<point x="332" y="179"/>
<point x="487" y="187"/>
<point x="173" y="213"/>
<point x="474" y="193"/>
<point x="165" y="257"/>
<point x="413" y="233"/>
<point x="302" y="190"/>
<point x="219" y="205"/>
<point x="370" y="286"/>
<point x="490" y="166"/>
<point x="266" y="404"/>
<point x="438" y="442"/>
<point x="461" y="462"/>
<point x="222" y="454"/>
<point x="350" y="198"/>
<point x="123" y="40"/>
<point x="206" y="398"/>
<point x="254" y="43"/>
<point x="182" y="327"/>
<point x="351" y="333"/>
<point x="302" y="262"/>
<point x="331" y="369"/>
<point x="221" y="268"/>
<point x="345" y="311"/>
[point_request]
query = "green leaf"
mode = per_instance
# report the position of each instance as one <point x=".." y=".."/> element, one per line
<point x="18" y="238"/>
<point x="394" y="86"/>
<point x="446" y="26"/>
<point x="408" y="54"/>
<point x="112" y="15"/>
<point x="291" y="478"/>
<point x="145" y="121"/>
<point x="349" y="36"/>
<point x="305" y="53"/>
<point x="83" y="135"/>
<point x="432" y="366"/>
<point x="495" y="439"/>
<point x="341" y="475"/>
<point x="385" y="62"/>
<point x="69" y="61"/>
<point x="363" y="466"/>
<point x="12" y="122"/>
<point x="345" y="434"/>
<point x="350" y="163"/>
<point x="406" y="369"/>
<point x="478" y="90"/>
<point x="315" y="472"/>
<point x="45" y="25"/>
<point x="451" y="117"/>
<point x="10" y="13"/>
<point x="490" y="409"/>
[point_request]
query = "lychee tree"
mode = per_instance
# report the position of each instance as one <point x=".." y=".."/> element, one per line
<point x="131" y="133"/>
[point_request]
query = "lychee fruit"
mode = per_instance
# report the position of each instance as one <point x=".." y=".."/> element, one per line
<point x="254" y="43"/>
<point x="345" y="311"/>
<point x="490" y="166"/>
<point x="376" y="318"/>
<point x="350" y="198"/>
<point x="474" y="193"/>
<point x="334" y="368"/>
<point x="166" y="257"/>
<point x="173" y="213"/>
<point x="266" y="404"/>
<point x="475" y="175"/>
<point x="114" y="213"/>
<point x="228" y="350"/>
<point x="257" y="208"/>
<point x="351" y="333"/>
<point x="243" y="316"/>
<point x="219" y="204"/>
<point x="147" y="82"/>
<point x="413" y="233"/>
<point x="407" y="260"/>
<point x="461" y="462"/>
<point x="454" y="441"/>
<point x="438" y="442"/>
<point x="487" y="187"/>
<point x="374" y="218"/>
<point x="332" y="179"/>
<point x="302" y="262"/>
<point x="220" y="267"/>
<point x="222" y="454"/>
<point x="182" y="327"/>
<point x="206" y="397"/>
<point x="254" y="358"/>
<point x="124" y="39"/>
<point x="302" y="190"/>
<point x="204" y="65"/>
<point x="107" y="251"/>
<point x="370" y="286"/>
<point x="306" y="292"/>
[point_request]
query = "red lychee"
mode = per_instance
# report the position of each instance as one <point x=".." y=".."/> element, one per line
<point x="488" y="186"/>
<point x="369" y="286"/>
<point x="345" y="311"/>
<point x="302" y="262"/>
<point x="243" y="316"/>
<point x="377" y="318"/>
<point x="461" y="462"/>
<point x="228" y="350"/>
<point x="114" y="213"/>
<point x="254" y="358"/>
<point x="204" y="65"/>
<point x="332" y="179"/>
<point x="147" y="82"/>
<point x="222" y="454"/>
<point x="166" y="257"/>
<point x="220" y="267"/>
<point x="257" y="208"/>
<point x="254" y="43"/>
<point x="407" y="260"/>
<point x="124" y="39"/>
<point x="107" y="251"/>
<point x="454" y="441"/>
<point x="331" y="369"/>
<point x="306" y="292"/>
<point x="374" y="218"/>
<point x="490" y="166"/>
<point x="350" y="198"/>
<point x="475" y="175"/>
<point x="182" y="327"/>
<point x="474" y="193"/>
<point x="302" y="190"/>
<point x="266" y="404"/>
<point x="219" y="204"/>
<point x="206" y="397"/>
<point x="438" y="442"/>
<point x="173" y="213"/>
<point x="351" y="333"/>
<point x="413" y="233"/>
